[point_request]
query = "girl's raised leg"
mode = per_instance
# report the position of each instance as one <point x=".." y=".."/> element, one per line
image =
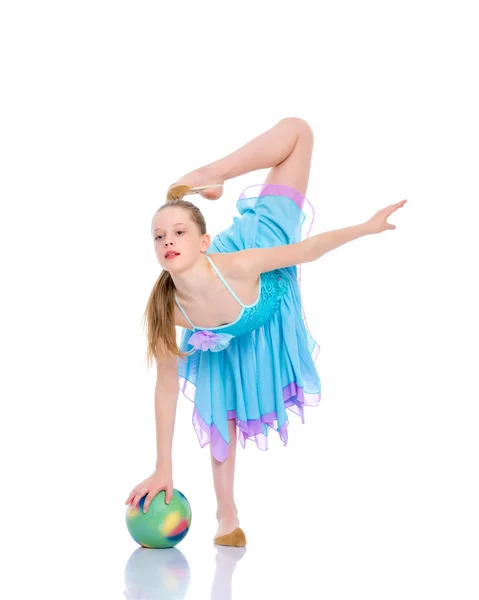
<point x="223" y="479"/>
<point x="286" y="148"/>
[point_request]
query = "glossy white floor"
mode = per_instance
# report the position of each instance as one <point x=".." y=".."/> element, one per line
<point x="104" y="104"/>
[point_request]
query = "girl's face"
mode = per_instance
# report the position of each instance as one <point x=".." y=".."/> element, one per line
<point x="177" y="239"/>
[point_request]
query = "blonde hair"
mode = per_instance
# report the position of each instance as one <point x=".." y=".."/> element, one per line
<point x="159" y="316"/>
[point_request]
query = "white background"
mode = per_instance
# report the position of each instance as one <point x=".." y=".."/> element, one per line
<point x="103" y="105"/>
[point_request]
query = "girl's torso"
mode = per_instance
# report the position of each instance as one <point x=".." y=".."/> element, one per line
<point x="220" y="308"/>
<point x="233" y="302"/>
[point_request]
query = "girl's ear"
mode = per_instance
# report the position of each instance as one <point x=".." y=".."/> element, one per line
<point x="205" y="243"/>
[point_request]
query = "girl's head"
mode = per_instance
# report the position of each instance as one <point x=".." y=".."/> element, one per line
<point x="178" y="227"/>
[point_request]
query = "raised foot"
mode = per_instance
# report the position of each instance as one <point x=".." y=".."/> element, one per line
<point x="200" y="182"/>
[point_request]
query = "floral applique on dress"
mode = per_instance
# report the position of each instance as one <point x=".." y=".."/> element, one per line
<point x="208" y="340"/>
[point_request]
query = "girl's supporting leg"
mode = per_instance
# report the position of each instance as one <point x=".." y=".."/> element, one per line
<point x="286" y="147"/>
<point x="223" y="478"/>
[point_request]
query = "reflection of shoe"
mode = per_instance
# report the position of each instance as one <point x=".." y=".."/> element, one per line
<point x="177" y="191"/>
<point x="229" y="553"/>
<point x="235" y="538"/>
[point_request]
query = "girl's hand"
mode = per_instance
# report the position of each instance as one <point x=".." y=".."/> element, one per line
<point x="378" y="222"/>
<point x="159" y="480"/>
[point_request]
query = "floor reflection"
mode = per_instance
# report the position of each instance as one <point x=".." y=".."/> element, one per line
<point x="227" y="558"/>
<point x="162" y="573"/>
<point x="165" y="574"/>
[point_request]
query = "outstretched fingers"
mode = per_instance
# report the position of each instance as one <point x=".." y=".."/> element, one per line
<point x="388" y="211"/>
<point x="398" y="205"/>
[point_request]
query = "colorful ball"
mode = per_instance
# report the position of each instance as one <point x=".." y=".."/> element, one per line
<point x="163" y="525"/>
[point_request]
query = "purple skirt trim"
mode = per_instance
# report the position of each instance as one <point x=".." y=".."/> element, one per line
<point x="276" y="189"/>
<point x="294" y="400"/>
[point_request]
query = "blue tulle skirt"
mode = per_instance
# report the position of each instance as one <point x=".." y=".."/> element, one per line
<point x="263" y="374"/>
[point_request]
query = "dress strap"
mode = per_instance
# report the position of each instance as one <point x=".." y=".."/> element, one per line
<point x="224" y="281"/>
<point x="184" y="314"/>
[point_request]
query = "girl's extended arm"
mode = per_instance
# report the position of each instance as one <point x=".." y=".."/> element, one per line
<point x="254" y="261"/>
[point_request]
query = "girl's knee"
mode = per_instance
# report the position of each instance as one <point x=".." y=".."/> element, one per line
<point x="302" y="125"/>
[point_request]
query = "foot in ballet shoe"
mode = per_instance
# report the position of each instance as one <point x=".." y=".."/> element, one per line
<point x="203" y="181"/>
<point x="178" y="190"/>
<point x="234" y="538"/>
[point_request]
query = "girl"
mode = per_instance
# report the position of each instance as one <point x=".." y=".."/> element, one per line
<point x="245" y="354"/>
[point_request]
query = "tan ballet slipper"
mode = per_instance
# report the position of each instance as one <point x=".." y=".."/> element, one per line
<point x="235" y="538"/>
<point x="177" y="191"/>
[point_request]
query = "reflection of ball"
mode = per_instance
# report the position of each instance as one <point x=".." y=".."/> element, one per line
<point x="164" y="574"/>
<point x="163" y="525"/>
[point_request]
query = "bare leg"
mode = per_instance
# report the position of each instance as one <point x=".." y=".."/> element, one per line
<point x="269" y="149"/>
<point x="223" y="478"/>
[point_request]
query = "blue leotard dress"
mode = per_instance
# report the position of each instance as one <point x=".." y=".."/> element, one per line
<point x="263" y="363"/>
